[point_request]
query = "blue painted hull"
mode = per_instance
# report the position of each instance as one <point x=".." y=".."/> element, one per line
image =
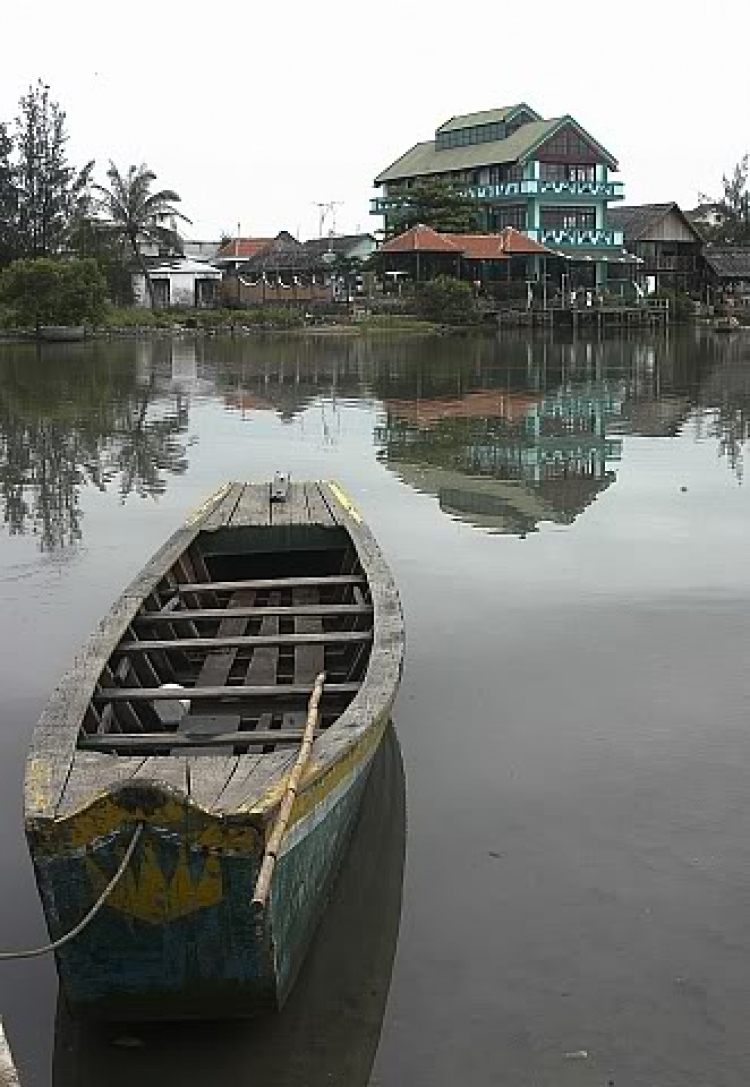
<point x="213" y="961"/>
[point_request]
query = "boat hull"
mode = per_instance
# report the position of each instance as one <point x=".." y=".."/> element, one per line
<point x="179" y="938"/>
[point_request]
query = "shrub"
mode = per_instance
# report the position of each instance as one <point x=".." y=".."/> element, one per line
<point x="447" y="300"/>
<point x="42" y="291"/>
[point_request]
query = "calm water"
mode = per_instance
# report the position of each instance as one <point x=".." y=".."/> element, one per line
<point x="569" y="527"/>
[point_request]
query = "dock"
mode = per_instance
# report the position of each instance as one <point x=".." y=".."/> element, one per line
<point x="8" y="1074"/>
<point x="599" y="318"/>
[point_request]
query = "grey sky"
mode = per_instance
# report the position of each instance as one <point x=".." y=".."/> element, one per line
<point x="253" y="111"/>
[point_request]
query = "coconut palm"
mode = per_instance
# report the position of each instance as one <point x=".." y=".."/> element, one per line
<point x="137" y="213"/>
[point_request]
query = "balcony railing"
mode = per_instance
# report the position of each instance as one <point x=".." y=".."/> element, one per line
<point x="577" y="239"/>
<point x="607" y="190"/>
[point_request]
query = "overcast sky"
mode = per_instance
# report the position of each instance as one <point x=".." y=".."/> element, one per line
<point x="253" y="111"/>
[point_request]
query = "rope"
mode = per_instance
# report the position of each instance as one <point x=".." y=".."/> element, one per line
<point x="33" y="952"/>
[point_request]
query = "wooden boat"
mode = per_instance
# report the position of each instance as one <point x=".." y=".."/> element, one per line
<point x="263" y="589"/>
<point x="331" y="1024"/>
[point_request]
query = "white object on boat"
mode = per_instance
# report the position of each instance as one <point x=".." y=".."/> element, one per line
<point x="171" y="712"/>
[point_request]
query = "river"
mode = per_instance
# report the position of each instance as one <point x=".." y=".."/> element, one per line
<point x="565" y="897"/>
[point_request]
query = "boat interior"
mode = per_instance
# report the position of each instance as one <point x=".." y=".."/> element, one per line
<point x="222" y="655"/>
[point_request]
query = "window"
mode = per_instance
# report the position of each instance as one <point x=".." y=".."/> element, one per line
<point x="563" y="171"/>
<point x="568" y="145"/>
<point x="514" y="215"/>
<point x="464" y="137"/>
<point x="568" y="218"/>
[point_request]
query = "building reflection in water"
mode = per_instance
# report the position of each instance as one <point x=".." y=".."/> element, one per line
<point x="507" y="432"/>
<point x="533" y="431"/>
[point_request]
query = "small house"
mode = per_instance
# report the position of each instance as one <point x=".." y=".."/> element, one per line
<point x="178" y="281"/>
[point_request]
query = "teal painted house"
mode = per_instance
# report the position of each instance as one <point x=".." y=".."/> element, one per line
<point x="548" y="178"/>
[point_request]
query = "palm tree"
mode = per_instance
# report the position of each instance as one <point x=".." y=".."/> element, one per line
<point x="136" y="213"/>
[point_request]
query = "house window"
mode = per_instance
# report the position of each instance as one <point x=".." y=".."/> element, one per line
<point x="568" y="218"/>
<point x="465" y="137"/>
<point x="563" y="171"/>
<point x="513" y="215"/>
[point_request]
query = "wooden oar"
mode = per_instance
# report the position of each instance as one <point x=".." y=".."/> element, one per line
<point x="265" y="875"/>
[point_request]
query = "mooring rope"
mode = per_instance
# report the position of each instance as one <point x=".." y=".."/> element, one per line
<point x="33" y="952"/>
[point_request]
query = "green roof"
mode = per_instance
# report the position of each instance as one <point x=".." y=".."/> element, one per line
<point x="423" y="159"/>
<point x="485" y="117"/>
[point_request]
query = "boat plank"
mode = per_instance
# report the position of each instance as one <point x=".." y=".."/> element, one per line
<point x="254" y="776"/>
<point x="327" y="499"/>
<point x="282" y="610"/>
<point x="171" y="770"/>
<point x="93" y="774"/>
<point x="223" y="512"/>
<point x="318" y="511"/>
<point x="254" y="507"/>
<point x="195" y="740"/>
<point x="280" y="691"/>
<point x="333" y="637"/>
<point x="268" y="583"/>
<point x="291" y="510"/>
<point x="208" y="778"/>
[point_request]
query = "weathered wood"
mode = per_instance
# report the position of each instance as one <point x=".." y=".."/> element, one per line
<point x="93" y="775"/>
<point x="54" y="740"/>
<point x="292" y="510"/>
<point x="270" y="583"/>
<point x="208" y="779"/>
<point x="172" y="770"/>
<point x="250" y="640"/>
<point x="318" y="511"/>
<point x="273" y="844"/>
<point x="203" y="728"/>
<point x="253" y="776"/>
<point x="282" y="610"/>
<point x="223" y="512"/>
<point x="186" y="742"/>
<point x="254" y="507"/>
<point x="155" y="694"/>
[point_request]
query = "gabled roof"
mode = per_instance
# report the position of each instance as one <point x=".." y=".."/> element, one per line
<point x="732" y="262"/>
<point x="639" y="220"/>
<point x="515" y="243"/>
<point x="421" y="239"/>
<point x="486" y="117"/>
<point x="502" y="246"/>
<point x="248" y="247"/>
<point x="424" y="159"/>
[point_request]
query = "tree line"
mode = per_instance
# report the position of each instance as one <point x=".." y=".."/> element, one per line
<point x="52" y="209"/>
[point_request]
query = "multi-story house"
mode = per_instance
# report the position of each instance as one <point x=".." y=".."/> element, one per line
<point x="547" y="178"/>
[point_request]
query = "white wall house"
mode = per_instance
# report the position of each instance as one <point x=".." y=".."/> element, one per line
<point x="179" y="281"/>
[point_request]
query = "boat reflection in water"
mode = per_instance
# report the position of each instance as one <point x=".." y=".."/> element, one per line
<point x="328" y="1031"/>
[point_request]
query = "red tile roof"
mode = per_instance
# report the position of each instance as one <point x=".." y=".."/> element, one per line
<point x="421" y="239"/>
<point x="244" y="247"/>
<point x="514" y="242"/>
<point x="481" y="246"/>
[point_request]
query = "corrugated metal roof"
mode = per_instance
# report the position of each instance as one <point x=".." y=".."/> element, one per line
<point x="485" y="117"/>
<point x="729" y="263"/>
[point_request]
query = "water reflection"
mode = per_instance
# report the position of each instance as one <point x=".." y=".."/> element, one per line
<point x="538" y="437"/>
<point x="329" y="1030"/>
<point x="73" y="416"/>
<point x="506" y="433"/>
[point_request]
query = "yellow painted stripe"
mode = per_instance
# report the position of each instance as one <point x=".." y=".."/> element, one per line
<point x="343" y="500"/>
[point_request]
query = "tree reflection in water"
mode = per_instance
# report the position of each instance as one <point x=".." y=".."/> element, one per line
<point x="71" y="417"/>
